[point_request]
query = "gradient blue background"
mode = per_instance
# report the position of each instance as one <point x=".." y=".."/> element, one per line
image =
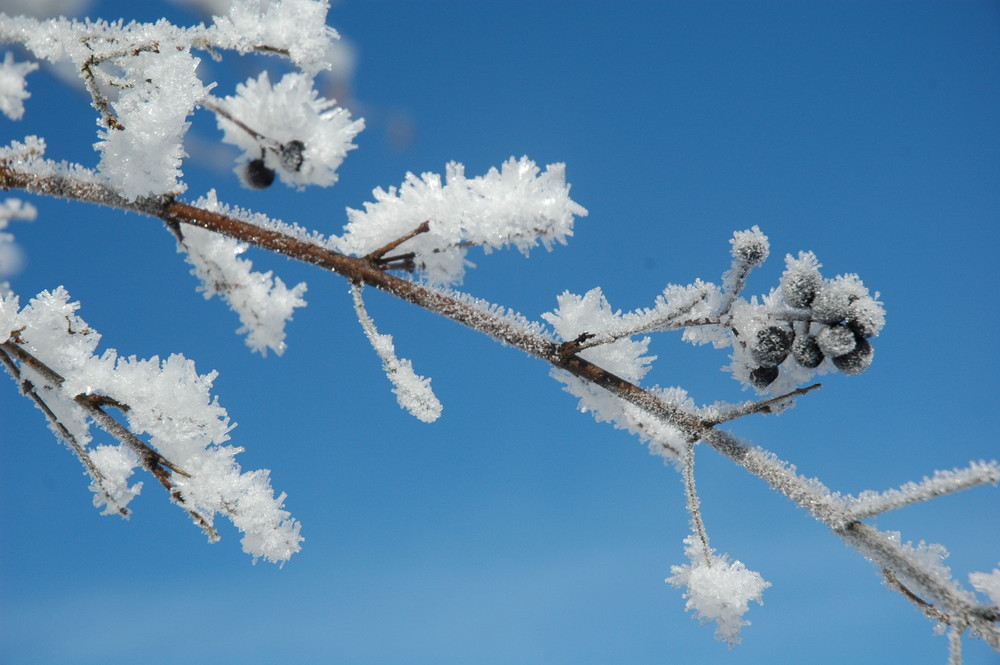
<point x="516" y="530"/>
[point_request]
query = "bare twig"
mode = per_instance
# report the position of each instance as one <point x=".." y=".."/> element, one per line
<point x="761" y="406"/>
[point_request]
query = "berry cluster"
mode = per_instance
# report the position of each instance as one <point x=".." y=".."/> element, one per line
<point x="827" y="319"/>
<point x="258" y="175"/>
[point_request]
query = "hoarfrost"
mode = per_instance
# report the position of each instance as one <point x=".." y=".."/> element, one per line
<point x="717" y="589"/>
<point x="516" y="205"/>
<point x="298" y="134"/>
<point x="13" y="90"/>
<point x="263" y="302"/>
<point x="987" y="583"/>
<point x="413" y="392"/>
<point x="165" y="400"/>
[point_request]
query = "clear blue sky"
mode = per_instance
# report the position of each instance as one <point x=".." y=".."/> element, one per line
<point x="516" y="530"/>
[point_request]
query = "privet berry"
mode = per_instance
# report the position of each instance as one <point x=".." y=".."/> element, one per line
<point x="832" y="304"/>
<point x="799" y="287"/>
<point x="865" y="317"/>
<point x="762" y="377"/>
<point x="257" y="175"/>
<point x="771" y="345"/>
<point x="806" y="351"/>
<point x="836" y="340"/>
<point x="857" y="360"/>
<point x="292" y="155"/>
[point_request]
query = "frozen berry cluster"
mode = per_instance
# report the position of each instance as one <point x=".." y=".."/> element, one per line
<point x="827" y="318"/>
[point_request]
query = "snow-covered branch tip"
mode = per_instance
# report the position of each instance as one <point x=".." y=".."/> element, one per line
<point x="413" y="392"/>
<point x="171" y="425"/>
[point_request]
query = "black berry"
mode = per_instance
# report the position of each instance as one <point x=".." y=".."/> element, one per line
<point x="836" y="340"/>
<point x="857" y="360"/>
<point x="292" y="155"/>
<point x="806" y="351"/>
<point x="762" y="377"/>
<point x="257" y="175"/>
<point x="771" y="345"/>
<point x="799" y="287"/>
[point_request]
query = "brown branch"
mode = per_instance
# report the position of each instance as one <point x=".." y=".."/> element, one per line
<point x="805" y="492"/>
<point x="377" y="255"/>
<point x="761" y="406"/>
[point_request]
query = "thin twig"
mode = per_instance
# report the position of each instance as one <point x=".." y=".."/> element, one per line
<point x="762" y="406"/>
<point x="377" y="255"/>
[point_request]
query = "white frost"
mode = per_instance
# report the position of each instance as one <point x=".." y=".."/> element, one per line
<point x="166" y="401"/>
<point x="718" y="589"/>
<point x="13" y="86"/>
<point x="988" y="583"/>
<point x="282" y="114"/>
<point x="413" y="392"/>
<point x="516" y="205"/>
<point x="263" y="302"/>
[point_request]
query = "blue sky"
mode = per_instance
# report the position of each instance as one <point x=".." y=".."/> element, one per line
<point x="516" y="530"/>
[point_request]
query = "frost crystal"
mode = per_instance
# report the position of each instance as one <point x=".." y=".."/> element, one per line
<point x="262" y="302"/>
<point x="158" y="92"/>
<point x="988" y="583"/>
<point x="717" y="589"/>
<point x="166" y="401"/>
<point x="517" y="205"/>
<point x="413" y="392"/>
<point x="12" y="85"/>
<point x="298" y="134"/>
<point x="297" y="27"/>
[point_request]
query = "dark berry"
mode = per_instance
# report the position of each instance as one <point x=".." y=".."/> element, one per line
<point x="771" y="346"/>
<point x="857" y="360"/>
<point x="257" y="175"/>
<point x="836" y="340"/>
<point x="762" y="377"/>
<point x="806" y="351"/>
<point x="292" y="155"/>
<point x="799" y="287"/>
<point x="831" y="304"/>
<point x="865" y="317"/>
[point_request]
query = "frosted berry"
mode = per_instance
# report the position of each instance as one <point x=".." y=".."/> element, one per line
<point x="806" y="351"/>
<point x="762" y="377"/>
<point x="257" y="175"/>
<point x="836" y="340"/>
<point x="857" y="360"/>
<point x="831" y="304"/>
<point x="865" y="317"/>
<point x="292" y="155"/>
<point x="771" y="345"/>
<point x="799" y="287"/>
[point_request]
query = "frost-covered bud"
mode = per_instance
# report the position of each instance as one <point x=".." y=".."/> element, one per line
<point x="833" y="302"/>
<point x="806" y="351"/>
<point x="857" y="360"/>
<point x="762" y="377"/>
<point x="750" y="247"/>
<point x="836" y="340"/>
<point x="866" y="317"/>
<point x="801" y="280"/>
<point x="771" y="345"/>
<point x="256" y="174"/>
<point x="831" y="305"/>
<point x="292" y="155"/>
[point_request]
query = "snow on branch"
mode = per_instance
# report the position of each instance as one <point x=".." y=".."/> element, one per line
<point x="13" y="90"/>
<point x="413" y="392"/>
<point x="263" y="302"/>
<point x="871" y="503"/>
<point x="718" y="589"/>
<point x="50" y="351"/>
<point x="285" y="129"/>
<point x="143" y="81"/>
<point x="516" y="205"/>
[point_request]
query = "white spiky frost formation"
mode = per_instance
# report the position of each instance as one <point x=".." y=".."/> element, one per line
<point x="518" y="204"/>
